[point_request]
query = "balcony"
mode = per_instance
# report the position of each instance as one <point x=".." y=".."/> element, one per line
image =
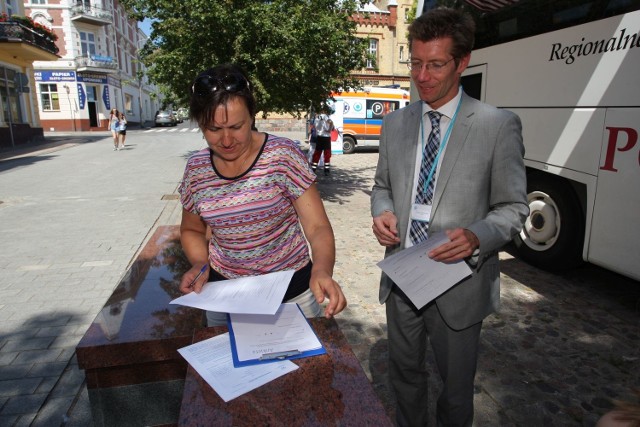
<point x="97" y="64"/>
<point x="91" y="15"/>
<point x="24" y="43"/>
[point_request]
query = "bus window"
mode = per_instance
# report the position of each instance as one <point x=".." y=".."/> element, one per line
<point x="472" y="85"/>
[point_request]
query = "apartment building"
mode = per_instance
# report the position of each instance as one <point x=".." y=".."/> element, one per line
<point x="21" y="43"/>
<point x="385" y="24"/>
<point x="97" y="69"/>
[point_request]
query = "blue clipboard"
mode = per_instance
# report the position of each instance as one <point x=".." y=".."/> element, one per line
<point x="272" y="357"/>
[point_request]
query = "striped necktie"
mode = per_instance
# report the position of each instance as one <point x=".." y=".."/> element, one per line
<point x="418" y="230"/>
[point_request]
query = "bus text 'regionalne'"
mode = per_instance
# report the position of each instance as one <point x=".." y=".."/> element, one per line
<point x="571" y="52"/>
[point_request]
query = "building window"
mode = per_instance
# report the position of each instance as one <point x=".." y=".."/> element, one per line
<point x="39" y="18"/>
<point x="372" y="53"/>
<point x="92" y="94"/>
<point x="401" y="55"/>
<point x="10" y="96"/>
<point x="38" y="1"/>
<point x="128" y="103"/>
<point x="11" y="8"/>
<point x="49" y="97"/>
<point x="87" y="43"/>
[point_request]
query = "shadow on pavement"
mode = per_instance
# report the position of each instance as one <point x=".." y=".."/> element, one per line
<point x="562" y="347"/>
<point x="32" y="153"/>
<point x="18" y="162"/>
<point x="378" y="362"/>
<point x="341" y="185"/>
<point x="609" y="290"/>
<point x="42" y="374"/>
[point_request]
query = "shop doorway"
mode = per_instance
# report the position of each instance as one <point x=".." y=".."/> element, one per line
<point x="92" y="105"/>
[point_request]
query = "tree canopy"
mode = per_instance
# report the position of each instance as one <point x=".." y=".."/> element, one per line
<point x="295" y="51"/>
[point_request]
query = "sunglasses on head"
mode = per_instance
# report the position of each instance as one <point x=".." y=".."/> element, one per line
<point x="205" y="85"/>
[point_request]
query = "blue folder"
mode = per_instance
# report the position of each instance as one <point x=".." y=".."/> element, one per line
<point x="271" y="357"/>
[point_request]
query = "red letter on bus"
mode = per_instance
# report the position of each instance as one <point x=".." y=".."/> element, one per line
<point x="632" y="138"/>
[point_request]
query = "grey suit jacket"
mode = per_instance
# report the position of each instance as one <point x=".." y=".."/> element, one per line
<point x="481" y="186"/>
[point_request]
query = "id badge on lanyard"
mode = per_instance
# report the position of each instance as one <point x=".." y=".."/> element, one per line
<point x="421" y="212"/>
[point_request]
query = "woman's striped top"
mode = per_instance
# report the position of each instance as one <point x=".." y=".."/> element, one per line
<point x="255" y="228"/>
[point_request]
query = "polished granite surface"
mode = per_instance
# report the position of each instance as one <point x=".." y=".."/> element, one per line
<point x="326" y="390"/>
<point x="133" y="342"/>
<point x="138" y="331"/>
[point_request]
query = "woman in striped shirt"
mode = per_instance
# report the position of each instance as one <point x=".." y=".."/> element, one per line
<point x="257" y="195"/>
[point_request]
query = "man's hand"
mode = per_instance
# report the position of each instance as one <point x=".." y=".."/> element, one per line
<point x="322" y="284"/>
<point x="385" y="228"/>
<point x="462" y="244"/>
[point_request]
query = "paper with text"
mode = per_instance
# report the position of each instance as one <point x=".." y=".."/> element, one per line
<point x="254" y="336"/>
<point x="421" y="278"/>
<point x="254" y="294"/>
<point x="211" y="358"/>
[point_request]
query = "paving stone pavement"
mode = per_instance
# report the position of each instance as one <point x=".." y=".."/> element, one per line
<point x="74" y="217"/>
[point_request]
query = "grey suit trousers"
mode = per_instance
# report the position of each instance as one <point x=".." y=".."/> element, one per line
<point x="455" y="352"/>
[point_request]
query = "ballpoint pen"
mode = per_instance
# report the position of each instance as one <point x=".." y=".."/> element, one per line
<point x="202" y="270"/>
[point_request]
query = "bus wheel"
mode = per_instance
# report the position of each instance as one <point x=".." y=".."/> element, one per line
<point x="348" y="144"/>
<point x="553" y="234"/>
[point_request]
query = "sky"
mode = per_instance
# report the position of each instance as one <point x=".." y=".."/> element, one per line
<point x="145" y="26"/>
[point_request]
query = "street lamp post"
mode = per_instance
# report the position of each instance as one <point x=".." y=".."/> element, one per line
<point x="73" y="118"/>
<point x="140" y="100"/>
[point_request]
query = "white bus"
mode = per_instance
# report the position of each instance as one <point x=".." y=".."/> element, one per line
<point x="571" y="70"/>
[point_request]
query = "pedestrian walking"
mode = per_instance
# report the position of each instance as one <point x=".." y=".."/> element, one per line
<point x="466" y="179"/>
<point x="313" y="139"/>
<point x="122" y="130"/>
<point x="112" y="125"/>
<point x="324" y="126"/>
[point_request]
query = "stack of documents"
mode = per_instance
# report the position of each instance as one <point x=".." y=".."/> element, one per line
<point x="256" y="338"/>
<point x="253" y="294"/>
<point x="212" y="360"/>
<point x="263" y="334"/>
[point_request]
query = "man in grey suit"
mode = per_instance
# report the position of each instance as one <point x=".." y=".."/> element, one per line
<point x="477" y="195"/>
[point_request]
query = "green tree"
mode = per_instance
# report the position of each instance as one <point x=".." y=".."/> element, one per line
<point x="295" y="51"/>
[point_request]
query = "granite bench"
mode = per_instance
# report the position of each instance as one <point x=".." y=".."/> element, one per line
<point x="134" y="374"/>
<point x="136" y="377"/>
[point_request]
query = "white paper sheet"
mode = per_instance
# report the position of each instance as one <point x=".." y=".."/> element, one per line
<point x="286" y="331"/>
<point x="211" y="358"/>
<point x="421" y="278"/>
<point x="254" y="294"/>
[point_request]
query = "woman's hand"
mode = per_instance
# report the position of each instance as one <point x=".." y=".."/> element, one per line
<point x="322" y="285"/>
<point x="194" y="279"/>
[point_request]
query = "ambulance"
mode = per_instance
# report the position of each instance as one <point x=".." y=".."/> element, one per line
<point x="358" y="114"/>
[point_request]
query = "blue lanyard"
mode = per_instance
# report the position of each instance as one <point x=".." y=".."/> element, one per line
<point x="441" y="148"/>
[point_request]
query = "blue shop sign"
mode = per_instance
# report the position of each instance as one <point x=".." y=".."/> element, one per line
<point x="105" y="97"/>
<point x="82" y="97"/>
<point x="54" y="76"/>
<point x="92" y="78"/>
<point x="101" y="58"/>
